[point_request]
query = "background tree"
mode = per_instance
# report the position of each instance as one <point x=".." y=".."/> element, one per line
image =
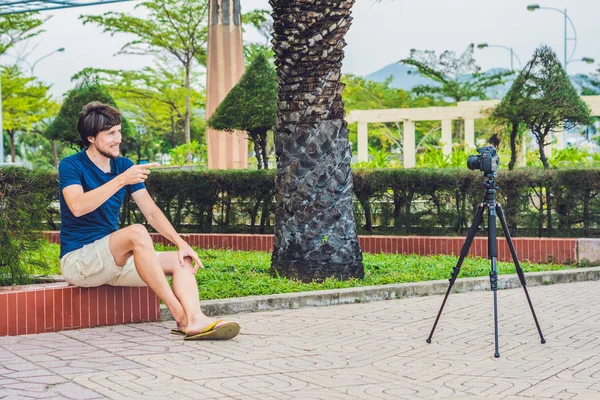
<point x="543" y="96"/>
<point x="250" y="106"/>
<point x="15" y="28"/>
<point x="156" y="98"/>
<point x="64" y="126"/>
<point x="315" y="232"/>
<point x="457" y="77"/>
<point x="263" y="23"/>
<point x="25" y="102"/>
<point x="174" y="27"/>
<point x="509" y="112"/>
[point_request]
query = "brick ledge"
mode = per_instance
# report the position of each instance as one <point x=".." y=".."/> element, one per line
<point x="541" y="250"/>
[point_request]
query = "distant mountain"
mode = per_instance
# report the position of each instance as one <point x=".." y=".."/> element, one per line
<point x="406" y="77"/>
<point x="403" y="76"/>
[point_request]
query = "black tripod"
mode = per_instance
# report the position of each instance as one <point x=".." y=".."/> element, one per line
<point x="493" y="208"/>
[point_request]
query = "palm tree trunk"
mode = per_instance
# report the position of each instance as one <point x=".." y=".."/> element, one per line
<point x="315" y="232"/>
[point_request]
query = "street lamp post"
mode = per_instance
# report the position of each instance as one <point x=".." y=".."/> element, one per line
<point x="31" y="69"/>
<point x="32" y="66"/>
<point x="513" y="55"/>
<point x="587" y="60"/>
<point x="533" y="7"/>
<point x="60" y="50"/>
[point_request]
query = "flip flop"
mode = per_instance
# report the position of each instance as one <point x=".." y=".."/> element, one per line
<point x="224" y="332"/>
<point x="178" y="332"/>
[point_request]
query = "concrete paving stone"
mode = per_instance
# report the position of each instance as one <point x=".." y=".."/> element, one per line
<point x="418" y="369"/>
<point x="484" y="386"/>
<point x="332" y="378"/>
<point x="196" y="357"/>
<point x="263" y="384"/>
<point x="555" y="388"/>
<point x="91" y="365"/>
<point x="306" y="363"/>
<point x="402" y="389"/>
<point x="138" y="384"/>
<point x="22" y="368"/>
<point x="308" y="394"/>
<point x="226" y="369"/>
<point x="588" y="370"/>
<point x="250" y="348"/>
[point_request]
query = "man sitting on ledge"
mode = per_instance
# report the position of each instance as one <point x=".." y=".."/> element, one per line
<point x="95" y="252"/>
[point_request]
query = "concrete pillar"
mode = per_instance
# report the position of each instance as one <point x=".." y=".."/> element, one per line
<point x="363" y="142"/>
<point x="409" y="144"/>
<point x="224" y="68"/>
<point x="470" y="132"/>
<point x="446" y="136"/>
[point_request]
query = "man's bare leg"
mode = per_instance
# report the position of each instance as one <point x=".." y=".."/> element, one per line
<point x="186" y="290"/>
<point x="135" y="240"/>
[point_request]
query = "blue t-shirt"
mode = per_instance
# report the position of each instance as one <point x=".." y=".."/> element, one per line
<point x="78" y="169"/>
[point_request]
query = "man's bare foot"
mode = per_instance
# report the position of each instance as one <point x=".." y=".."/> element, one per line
<point x="182" y="326"/>
<point x="200" y="324"/>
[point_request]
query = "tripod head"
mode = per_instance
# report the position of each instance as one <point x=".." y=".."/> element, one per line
<point x="490" y="188"/>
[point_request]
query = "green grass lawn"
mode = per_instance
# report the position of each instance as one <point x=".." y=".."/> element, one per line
<point x="245" y="273"/>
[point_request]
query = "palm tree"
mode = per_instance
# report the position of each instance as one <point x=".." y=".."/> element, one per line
<point x="315" y="233"/>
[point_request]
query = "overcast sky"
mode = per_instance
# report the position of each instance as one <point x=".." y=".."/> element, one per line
<point x="382" y="32"/>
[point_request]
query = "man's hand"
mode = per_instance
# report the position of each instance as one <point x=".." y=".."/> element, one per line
<point x="186" y="251"/>
<point x="137" y="173"/>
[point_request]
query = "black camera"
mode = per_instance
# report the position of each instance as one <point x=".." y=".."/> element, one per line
<point x="487" y="160"/>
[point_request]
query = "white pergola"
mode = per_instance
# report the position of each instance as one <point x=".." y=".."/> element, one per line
<point x="468" y="111"/>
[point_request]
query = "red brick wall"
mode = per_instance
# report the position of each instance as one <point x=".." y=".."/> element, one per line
<point x="542" y="250"/>
<point x="58" y="306"/>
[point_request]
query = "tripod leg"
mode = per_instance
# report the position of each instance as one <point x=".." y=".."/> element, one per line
<point x="463" y="253"/>
<point x="493" y="256"/>
<point x="518" y="267"/>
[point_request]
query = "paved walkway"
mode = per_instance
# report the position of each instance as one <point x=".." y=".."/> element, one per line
<point x="360" y="351"/>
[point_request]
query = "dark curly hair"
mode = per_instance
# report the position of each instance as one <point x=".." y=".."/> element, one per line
<point x="96" y="117"/>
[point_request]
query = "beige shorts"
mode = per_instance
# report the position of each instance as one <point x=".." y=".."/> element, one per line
<point x="94" y="265"/>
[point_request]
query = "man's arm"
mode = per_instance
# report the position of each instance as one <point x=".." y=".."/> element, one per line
<point x="81" y="203"/>
<point x="158" y="221"/>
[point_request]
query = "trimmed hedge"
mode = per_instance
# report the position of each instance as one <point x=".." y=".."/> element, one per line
<point x="561" y="202"/>
<point x="25" y="198"/>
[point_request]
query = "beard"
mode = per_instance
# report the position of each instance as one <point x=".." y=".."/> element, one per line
<point x="106" y="154"/>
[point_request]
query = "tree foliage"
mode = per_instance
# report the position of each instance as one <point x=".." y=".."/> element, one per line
<point x="543" y="98"/>
<point x="509" y="112"/>
<point x="64" y="126"/>
<point x="16" y="28"/>
<point x="260" y="20"/>
<point x="25" y="103"/>
<point x="250" y="106"/>
<point x="457" y="77"/>
<point x="177" y="28"/>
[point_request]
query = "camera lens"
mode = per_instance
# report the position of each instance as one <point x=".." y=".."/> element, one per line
<point x="474" y="162"/>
